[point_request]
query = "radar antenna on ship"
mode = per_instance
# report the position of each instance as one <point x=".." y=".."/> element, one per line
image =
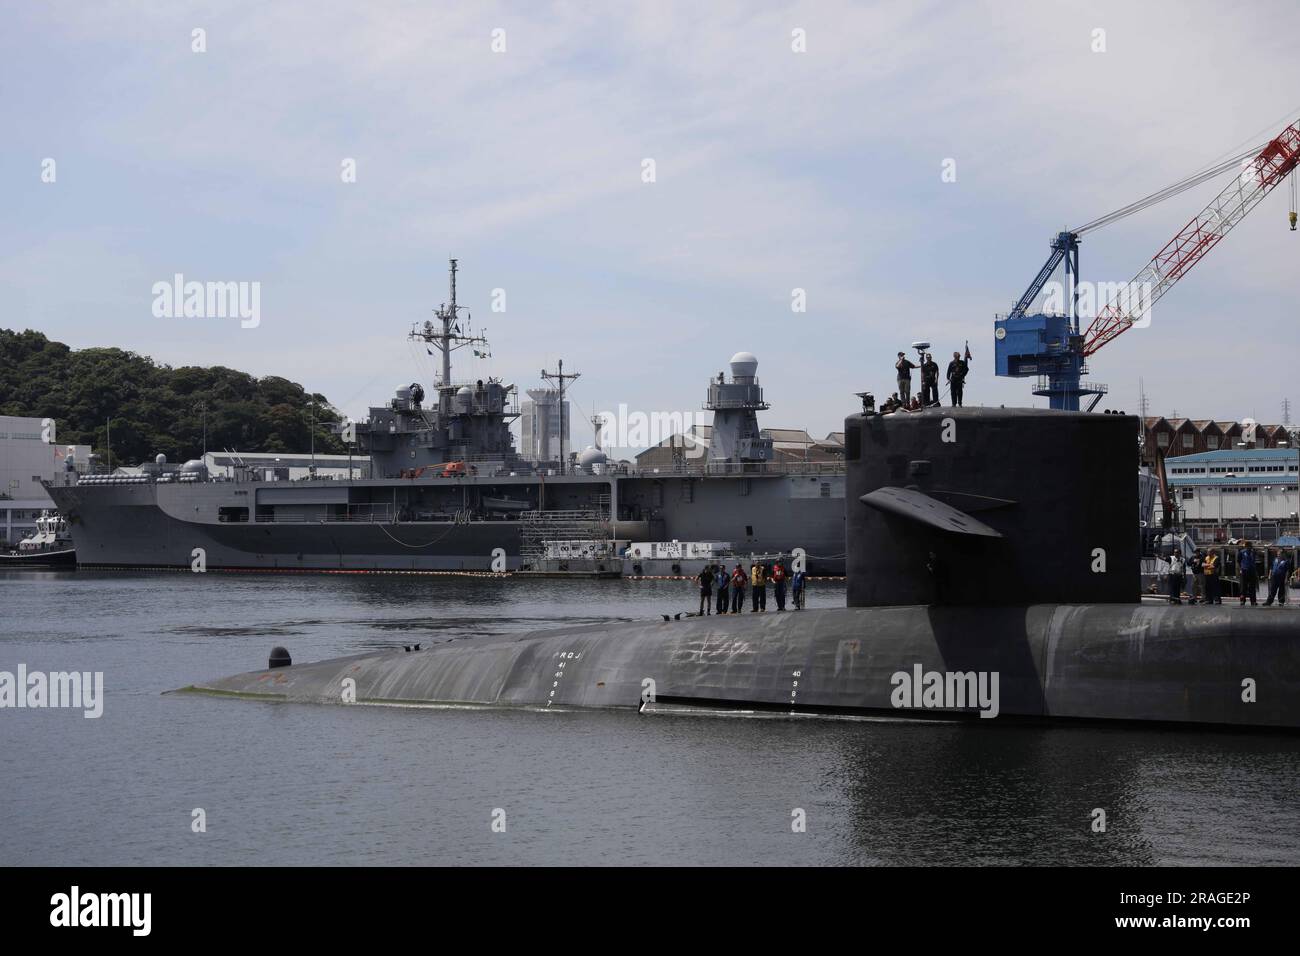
<point x="449" y="338"/>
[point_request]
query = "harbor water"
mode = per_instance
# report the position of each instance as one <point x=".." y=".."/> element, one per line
<point x="292" y="784"/>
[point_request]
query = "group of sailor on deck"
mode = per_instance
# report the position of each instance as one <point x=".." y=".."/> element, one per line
<point x="730" y="588"/>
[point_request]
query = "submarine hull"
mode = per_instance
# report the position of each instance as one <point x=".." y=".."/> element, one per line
<point x="1206" y="666"/>
<point x="992" y="559"/>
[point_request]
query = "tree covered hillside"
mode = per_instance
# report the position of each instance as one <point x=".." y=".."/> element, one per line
<point x="155" y="408"/>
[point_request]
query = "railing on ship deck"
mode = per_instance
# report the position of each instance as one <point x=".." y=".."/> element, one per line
<point x="377" y="515"/>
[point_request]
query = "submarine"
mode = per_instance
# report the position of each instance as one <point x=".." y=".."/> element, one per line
<point x="993" y="572"/>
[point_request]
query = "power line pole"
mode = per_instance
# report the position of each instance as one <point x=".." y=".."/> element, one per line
<point x="1286" y="411"/>
<point x="560" y="377"/>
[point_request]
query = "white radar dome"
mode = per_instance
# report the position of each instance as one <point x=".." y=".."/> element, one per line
<point x="744" y="364"/>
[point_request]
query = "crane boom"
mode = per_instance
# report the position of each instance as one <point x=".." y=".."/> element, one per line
<point x="1267" y="169"/>
<point x="1065" y="244"/>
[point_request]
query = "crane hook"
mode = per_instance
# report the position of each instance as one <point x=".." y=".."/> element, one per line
<point x="1294" y="202"/>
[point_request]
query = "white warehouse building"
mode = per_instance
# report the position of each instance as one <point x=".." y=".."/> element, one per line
<point x="1246" y="493"/>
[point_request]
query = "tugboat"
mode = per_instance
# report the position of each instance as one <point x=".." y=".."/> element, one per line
<point x="50" y="547"/>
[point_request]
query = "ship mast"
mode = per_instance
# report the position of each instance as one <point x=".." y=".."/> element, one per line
<point x="449" y="338"/>
<point x="561" y="376"/>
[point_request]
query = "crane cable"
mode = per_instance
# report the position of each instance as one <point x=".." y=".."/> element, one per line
<point x="1215" y="168"/>
<point x="1169" y="191"/>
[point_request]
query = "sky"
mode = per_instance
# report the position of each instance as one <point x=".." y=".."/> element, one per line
<point x="794" y="146"/>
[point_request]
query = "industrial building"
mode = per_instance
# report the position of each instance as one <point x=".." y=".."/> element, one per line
<point x="26" y="459"/>
<point x="1238" y="493"/>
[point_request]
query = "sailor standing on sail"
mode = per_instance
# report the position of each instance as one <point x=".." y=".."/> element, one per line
<point x="957" y="371"/>
<point x="904" y="368"/>
<point x="929" y="381"/>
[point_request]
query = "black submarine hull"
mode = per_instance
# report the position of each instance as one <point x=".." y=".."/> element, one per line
<point x="1205" y="666"/>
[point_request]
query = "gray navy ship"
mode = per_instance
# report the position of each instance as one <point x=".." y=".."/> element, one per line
<point x="448" y="491"/>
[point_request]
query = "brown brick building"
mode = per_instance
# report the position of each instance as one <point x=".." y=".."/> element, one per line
<point x="1189" y="436"/>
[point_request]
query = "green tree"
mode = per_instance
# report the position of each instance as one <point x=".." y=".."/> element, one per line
<point x="156" y="408"/>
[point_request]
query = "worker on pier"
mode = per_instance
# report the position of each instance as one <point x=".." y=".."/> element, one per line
<point x="758" y="581"/>
<point x="720" y="580"/>
<point x="1197" y="567"/>
<point x="1177" y="578"/>
<point x="929" y="381"/>
<point x="779" y="583"/>
<point x="1277" y="579"/>
<point x="705" y="577"/>
<point x="958" y="369"/>
<point x="1213" y="592"/>
<point x="1248" y="572"/>
<point x="738" y="579"/>
<point x="904" y="367"/>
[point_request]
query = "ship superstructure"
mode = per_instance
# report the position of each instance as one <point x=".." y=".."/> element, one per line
<point x="736" y="436"/>
<point x="467" y="422"/>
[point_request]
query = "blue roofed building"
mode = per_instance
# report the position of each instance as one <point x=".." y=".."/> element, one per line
<point x="1237" y="493"/>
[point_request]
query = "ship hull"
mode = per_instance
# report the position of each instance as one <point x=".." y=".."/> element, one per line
<point x="153" y="525"/>
<point x="1171" y="665"/>
<point x="65" y="558"/>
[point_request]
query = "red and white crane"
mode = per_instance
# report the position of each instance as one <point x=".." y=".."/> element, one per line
<point x="1051" y="346"/>
<point x="1257" y="178"/>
